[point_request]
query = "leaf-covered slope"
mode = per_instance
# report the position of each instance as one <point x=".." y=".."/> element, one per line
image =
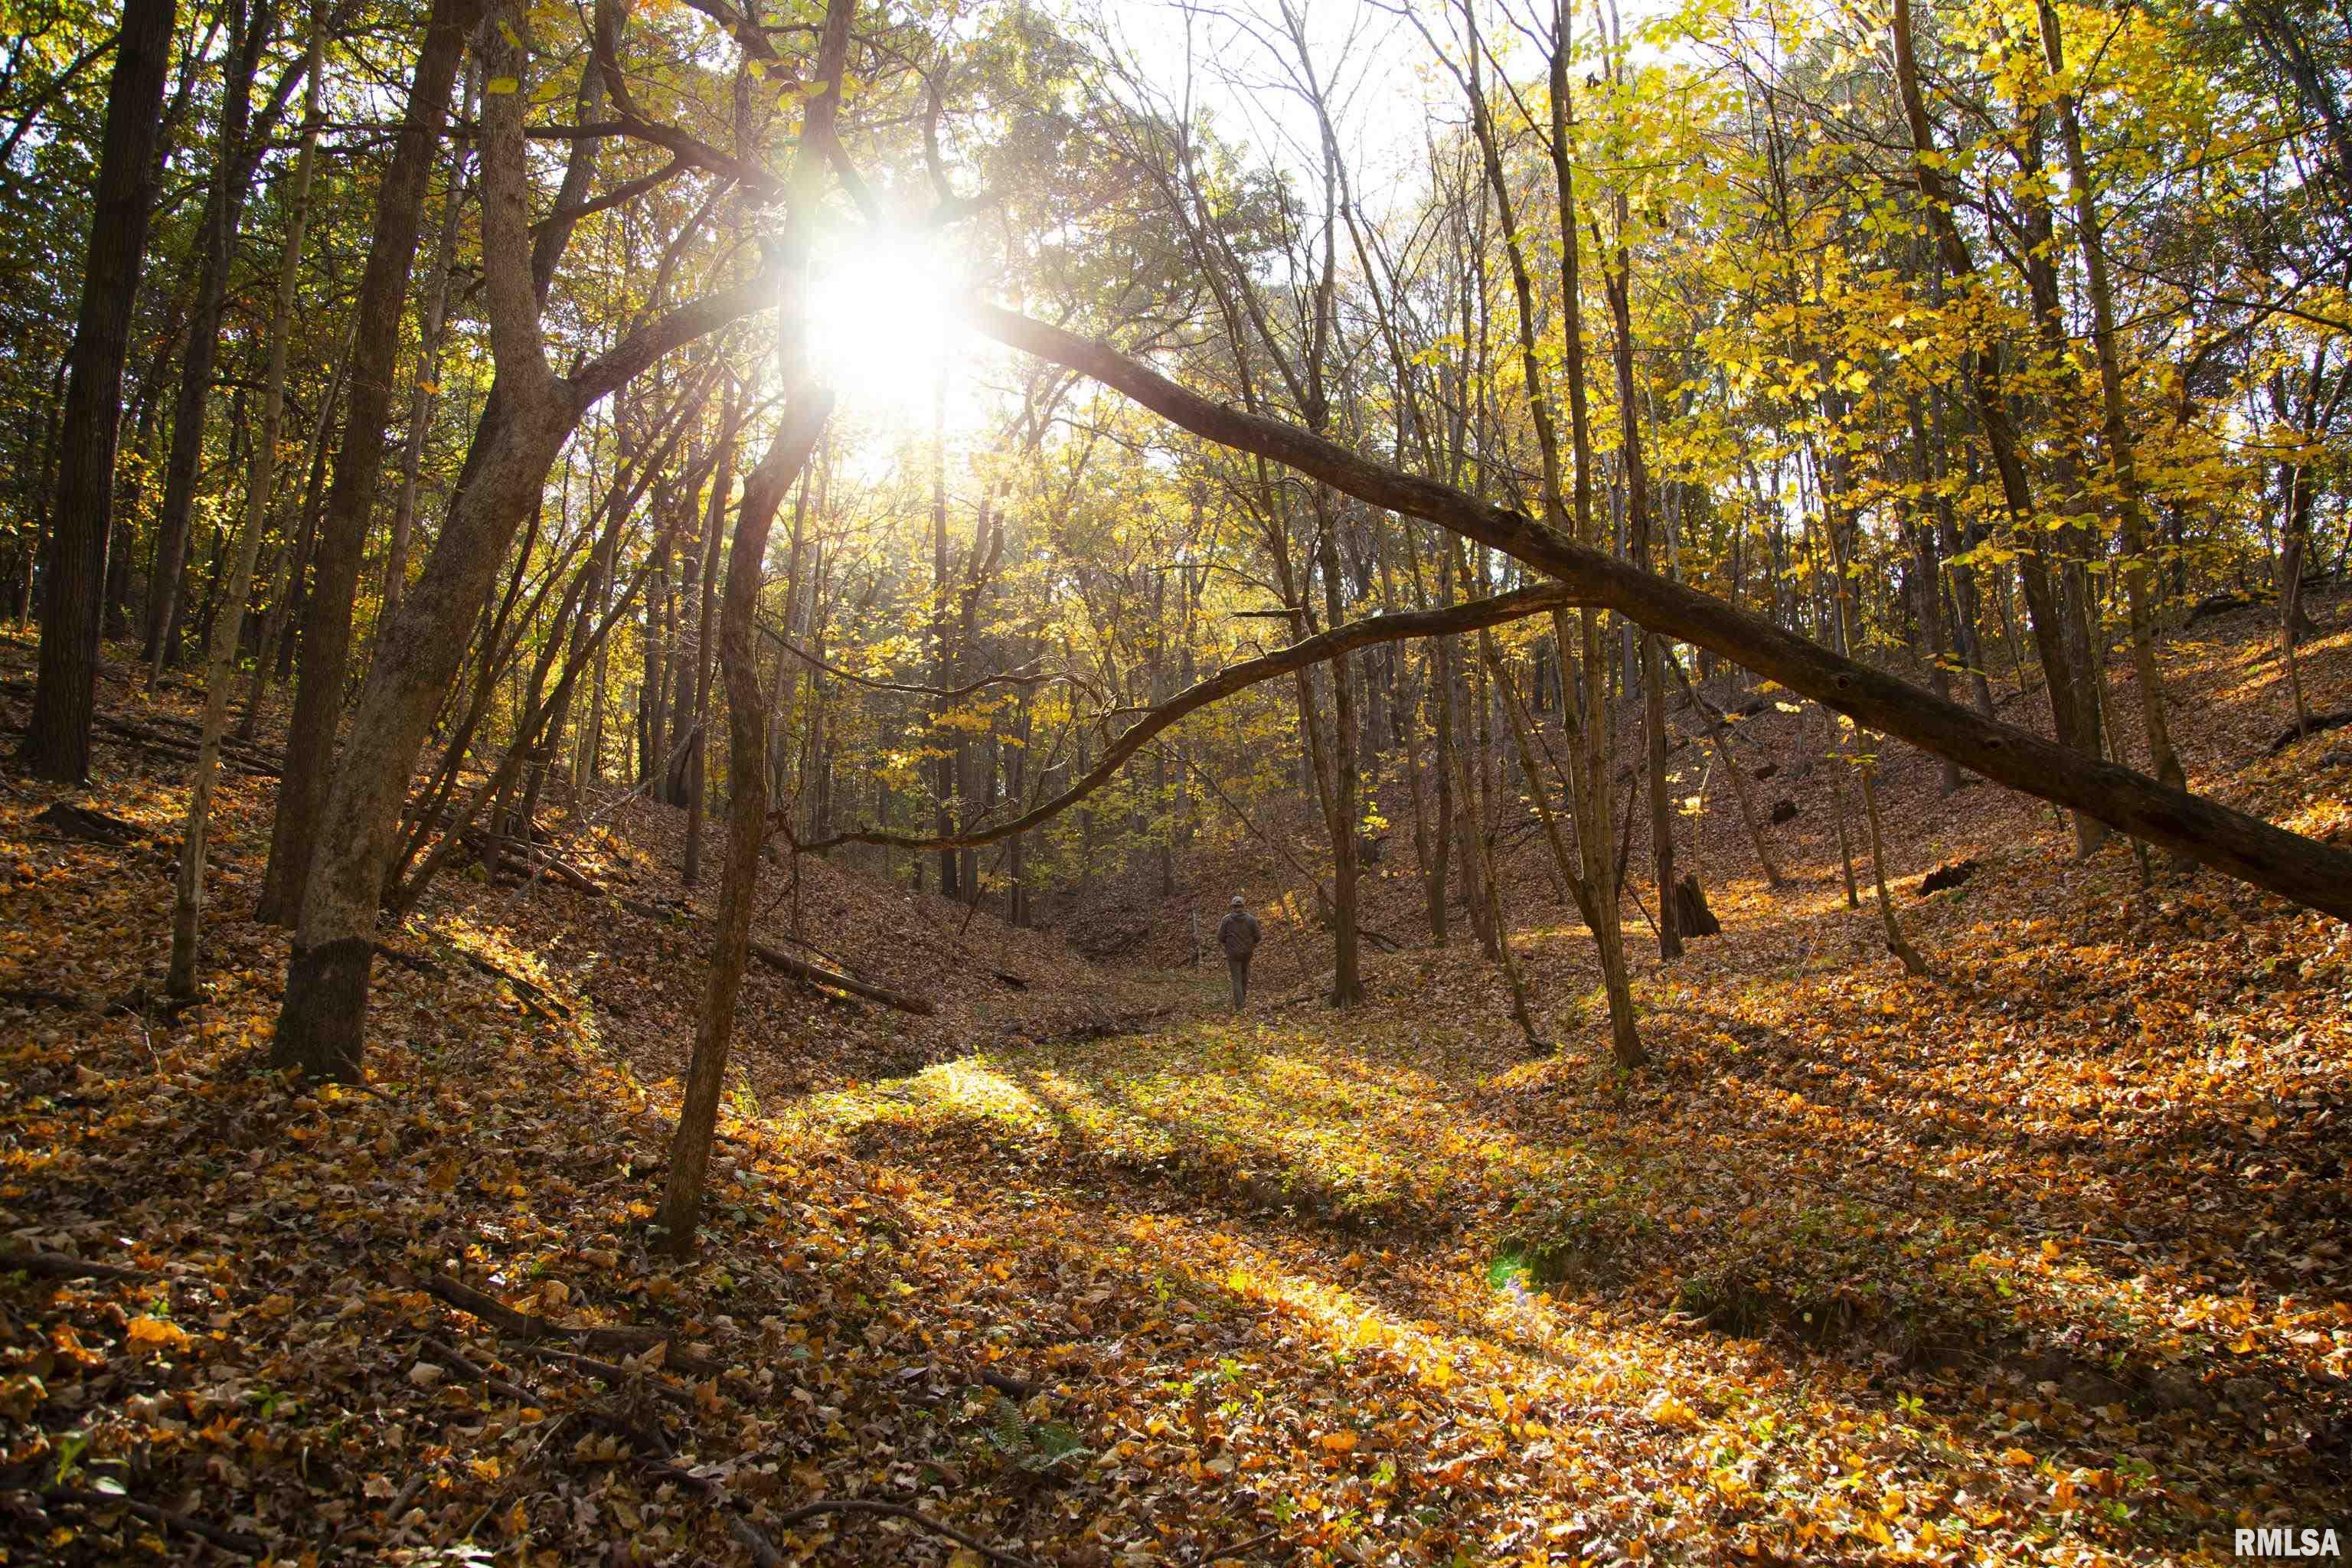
<point x="2041" y="1258"/>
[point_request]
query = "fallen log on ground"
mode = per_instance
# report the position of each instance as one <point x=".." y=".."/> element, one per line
<point x="180" y="749"/>
<point x="91" y="826"/>
<point x="2318" y="722"/>
<point x="816" y="974"/>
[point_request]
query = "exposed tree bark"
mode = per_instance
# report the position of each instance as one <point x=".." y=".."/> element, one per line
<point x="57" y="742"/>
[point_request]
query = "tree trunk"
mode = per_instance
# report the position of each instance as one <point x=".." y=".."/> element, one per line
<point x="56" y="741"/>
<point x="698" y="766"/>
<point x="285" y="592"/>
<point x="2117" y="427"/>
<point x="224" y="205"/>
<point x="359" y="464"/>
<point x="1637" y="515"/>
<point x="807" y="405"/>
<point x="227" y="632"/>
<point x="1346" y="986"/>
<point x="529" y="415"/>
<point x="1897" y="943"/>
<point x="422" y="391"/>
<point x="2043" y="599"/>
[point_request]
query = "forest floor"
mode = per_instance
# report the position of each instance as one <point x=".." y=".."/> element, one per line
<point x="2039" y="1258"/>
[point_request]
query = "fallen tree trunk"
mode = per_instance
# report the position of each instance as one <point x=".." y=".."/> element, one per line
<point x="799" y="969"/>
<point x="814" y="974"/>
<point x="2316" y="874"/>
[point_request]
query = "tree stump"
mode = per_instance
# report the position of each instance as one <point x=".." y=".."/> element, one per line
<point x="1691" y="914"/>
<point x="1952" y="874"/>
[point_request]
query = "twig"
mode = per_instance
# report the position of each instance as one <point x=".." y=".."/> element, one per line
<point x="617" y="1375"/>
<point x="521" y="1325"/>
<point x="58" y="1266"/>
<point x="1006" y="1384"/>
<point x="1253" y="1542"/>
<point x="755" y="1541"/>
<point x="455" y="1360"/>
<point x="408" y="1491"/>
<point x="900" y="1511"/>
<point x="416" y="963"/>
<point x="228" y="1540"/>
<point x="533" y="997"/>
<point x="36" y="996"/>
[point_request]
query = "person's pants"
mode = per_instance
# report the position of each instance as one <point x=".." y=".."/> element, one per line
<point x="1240" y="968"/>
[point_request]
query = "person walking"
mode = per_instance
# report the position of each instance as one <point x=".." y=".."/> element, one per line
<point x="1238" y="934"/>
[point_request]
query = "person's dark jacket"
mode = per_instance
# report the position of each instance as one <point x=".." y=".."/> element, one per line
<point x="1238" y="933"/>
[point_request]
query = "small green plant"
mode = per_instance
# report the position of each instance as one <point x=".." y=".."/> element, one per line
<point x="740" y="1100"/>
<point x="1035" y="1448"/>
<point x="70" y="1448"/>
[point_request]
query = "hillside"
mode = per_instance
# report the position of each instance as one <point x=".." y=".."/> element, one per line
<point x="2039" y="1258"/>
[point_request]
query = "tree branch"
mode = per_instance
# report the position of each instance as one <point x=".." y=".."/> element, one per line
<point x="1312" y="650"/>
<point x="2316" y="874"/>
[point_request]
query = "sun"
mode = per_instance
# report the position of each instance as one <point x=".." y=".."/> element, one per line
<point x="882" y="325"/>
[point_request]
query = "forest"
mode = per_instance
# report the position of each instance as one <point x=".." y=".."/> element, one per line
<point x="1194" y="781"/>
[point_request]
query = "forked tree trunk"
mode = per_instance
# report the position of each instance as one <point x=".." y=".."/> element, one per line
<point x="530" y="413"/>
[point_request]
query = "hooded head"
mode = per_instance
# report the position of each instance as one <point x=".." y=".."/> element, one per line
<point x="1237" y="900"/>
